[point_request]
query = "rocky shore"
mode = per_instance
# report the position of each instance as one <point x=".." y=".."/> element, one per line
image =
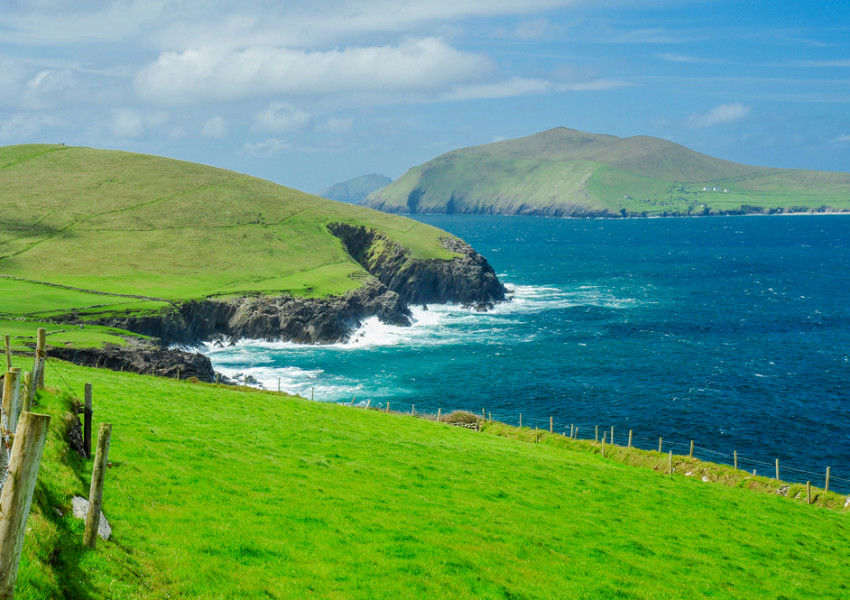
<point x="396" y="281"/>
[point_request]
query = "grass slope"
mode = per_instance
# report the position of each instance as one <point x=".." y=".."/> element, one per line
<point x="121" y="224"/>
<point x="564" y="172"/>
<point x="354" y="190"/>
<point x="223" y="493"/>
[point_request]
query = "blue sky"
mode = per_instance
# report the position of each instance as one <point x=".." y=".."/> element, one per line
<point x="308" y="94"/>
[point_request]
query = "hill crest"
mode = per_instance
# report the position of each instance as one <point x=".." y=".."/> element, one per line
<point x="566" y="172"/>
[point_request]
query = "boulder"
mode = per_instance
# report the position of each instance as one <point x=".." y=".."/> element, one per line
<point x="80" y="507"/>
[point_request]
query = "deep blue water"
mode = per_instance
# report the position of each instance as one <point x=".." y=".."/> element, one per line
<point x="733" y="332"/>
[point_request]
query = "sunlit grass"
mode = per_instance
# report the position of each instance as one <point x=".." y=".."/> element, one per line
<point x="223" y="493"/>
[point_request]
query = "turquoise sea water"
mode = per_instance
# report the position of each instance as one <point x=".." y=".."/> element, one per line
<point x="732" y="332"/>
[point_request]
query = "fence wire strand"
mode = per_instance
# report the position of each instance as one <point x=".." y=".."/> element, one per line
<point x="585" y="432"/>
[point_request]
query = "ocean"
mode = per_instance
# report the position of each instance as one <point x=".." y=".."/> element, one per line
<point x="733" y="332"/>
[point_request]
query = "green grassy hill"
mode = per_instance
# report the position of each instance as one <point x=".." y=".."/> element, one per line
<point x="99" y="232"/>
<point x="216" y="492"/>
<point x="562" y="172"/>
<point x="354" y="190"/>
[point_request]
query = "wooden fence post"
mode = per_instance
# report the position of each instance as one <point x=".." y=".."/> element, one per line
<point x="611" y="439"/>
<point x="12" y="397"/>
<point x="603" y="444"/>
<point x="826" y="485"/>
<point x="735" y="458"/>
<point x="16" y="498"/>
<point x="596" y="435"/>
<point x="368" y="402"/>
<point x="490" y="417"/>
<point x="660" y="441"/>
<point x="96" y="490"/>
<point x="520" y="420"/>
<point x="412" y="409"/>
<point x="32" y="386"/>
<point x="670" y="463"/>
<point x="576" y="436"/>
<point x="808" y="492"/>
<point x="388" y="408"/>
<point x="217" y="377"/>
<point x="25" y="392"/>
<point x="439" y="413"/>
<point x="691" y="455"/>
<point x="87" y="417"/>
<point x="483" y="414"/>
<point x="41" y="355"/>
<point x="551" y="424"/>
<point x="8" y="340"/>
<point x="572" y="429"/>
<point x="777" y="469"/>
<point x="630" y="438"/>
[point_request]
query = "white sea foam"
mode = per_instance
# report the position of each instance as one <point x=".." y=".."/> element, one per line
<point x="436" y="325"/>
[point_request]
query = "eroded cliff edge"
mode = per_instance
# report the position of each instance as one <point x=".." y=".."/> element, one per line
<point x="395" y="281"/>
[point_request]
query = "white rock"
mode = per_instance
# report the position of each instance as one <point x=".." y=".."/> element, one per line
<point x="705" y="478"/>
<point x="81" y="507"/>
<point x="847" y="502"/>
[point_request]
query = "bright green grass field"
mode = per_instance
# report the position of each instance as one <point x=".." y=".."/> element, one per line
<point x="216" y="492"/>
<point x="135" y="224"/>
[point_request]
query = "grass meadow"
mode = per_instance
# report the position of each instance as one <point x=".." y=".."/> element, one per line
<point x="221" y="492"/>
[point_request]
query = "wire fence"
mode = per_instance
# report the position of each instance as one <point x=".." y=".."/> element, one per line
<point x="625" y="437"/>
<point x="618" y="436"/>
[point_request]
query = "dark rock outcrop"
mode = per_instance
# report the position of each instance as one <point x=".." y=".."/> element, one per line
<point x="147" y="360"/>
<point x="396" y="281"/>
<point x="285" y="317"/>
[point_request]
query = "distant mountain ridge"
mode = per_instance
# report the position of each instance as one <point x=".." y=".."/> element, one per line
<point x="355" y="190"/>
<point x="564" y="172"/>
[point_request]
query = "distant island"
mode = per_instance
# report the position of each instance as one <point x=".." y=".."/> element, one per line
<point x="567" y="173"/>
<point x="355" y="190"/>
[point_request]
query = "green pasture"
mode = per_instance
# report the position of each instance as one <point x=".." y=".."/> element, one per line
<point x="216" y="492"/>
<point x="129" y="224"/>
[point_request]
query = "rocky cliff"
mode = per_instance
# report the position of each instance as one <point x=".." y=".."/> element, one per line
<point x="396" y="281"/>
<point x="467" y="279"/>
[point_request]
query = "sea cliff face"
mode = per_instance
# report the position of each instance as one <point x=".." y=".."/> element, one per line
<point x="467" y="279"/>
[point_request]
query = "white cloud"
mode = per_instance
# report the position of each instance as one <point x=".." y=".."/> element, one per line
<point x="534" y="29"/>
<point x="841" y="139"/>
<point x="336" y="125"/>
<point x="270" y="146"/>
<point x="517" y="86"/>
<point x="232" y="24"/>
<point x="215" y="128"/>
<point x="204" y="74"/>
<point x="823" y="63"/>
<point x="683" y="58"/>
<point x="719" y="115"/>
<point x="131" y="123"/>
<point x="520" y="86"/>
<point x="281" y="117"/>
<point x="330" y="22"/>
<point x="24" y="127"/>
